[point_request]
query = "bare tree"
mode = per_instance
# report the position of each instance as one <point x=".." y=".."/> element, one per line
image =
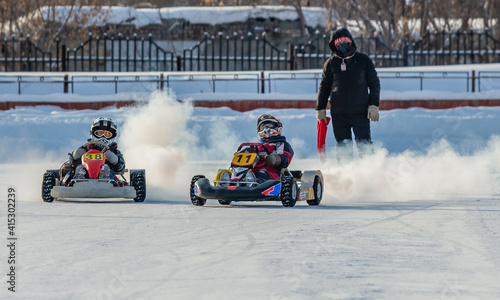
<point x="43" y="21"/>
<point x="297" y="5"/>
<point x="391" y="20"/>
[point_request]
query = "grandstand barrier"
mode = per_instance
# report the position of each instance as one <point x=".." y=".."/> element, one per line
<point x="241" y="91"/>
<point x="248" y="105"/>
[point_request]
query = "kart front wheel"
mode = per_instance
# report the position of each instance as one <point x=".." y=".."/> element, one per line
<point x="197" y="201"/>
<point x="138" y="181"/>
<point x="289" y="191"/>
<point x="318" y="191"/>
<point x="49" y="181"/>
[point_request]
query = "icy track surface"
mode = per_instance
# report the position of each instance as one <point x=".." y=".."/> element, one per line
<point x="169" y="249"/>
<point x="166" y="248"/>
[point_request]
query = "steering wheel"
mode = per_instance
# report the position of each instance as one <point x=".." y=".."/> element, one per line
<point x="265" y="148"/>
<point x="104" y="146"/>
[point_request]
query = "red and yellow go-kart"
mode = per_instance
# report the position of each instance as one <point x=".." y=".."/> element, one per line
<point x="58" y="184"/>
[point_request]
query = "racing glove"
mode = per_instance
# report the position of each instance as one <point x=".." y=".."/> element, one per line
<point x="373" y="114"/>
<point x="111" y="157"/>
<point x="273" y="159"/>
<point x="321" y="114"/>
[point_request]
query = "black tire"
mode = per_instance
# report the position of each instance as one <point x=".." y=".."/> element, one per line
<point x="197" y="201"/>
<point x="138" y="181"/>
<point x="49" y="181"/>
<point x="225" y="202"/>
<point x="289" y="191"/>
<point x="318" y="192"/>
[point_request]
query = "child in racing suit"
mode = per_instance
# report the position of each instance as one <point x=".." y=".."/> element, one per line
<point x="277" y="152"/>
<point x="102" y="130"/>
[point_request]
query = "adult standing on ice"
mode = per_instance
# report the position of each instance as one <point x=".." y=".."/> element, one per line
<point x="350" y="80"/>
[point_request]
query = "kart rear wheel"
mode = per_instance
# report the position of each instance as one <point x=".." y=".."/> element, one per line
<point x="49" y="181"/>
<point x="197" y="201"/>
<point x="225" y="202"/>
<point x="138" y="181"/>
<point x="318" y="191"/>
<point x="289" y="191"/>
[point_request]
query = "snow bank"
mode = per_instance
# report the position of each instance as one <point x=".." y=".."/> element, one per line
<point x="211" y="15"/>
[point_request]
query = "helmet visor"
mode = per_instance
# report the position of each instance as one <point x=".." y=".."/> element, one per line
<point x="103" y="133"/>
<point x="271" y="124"/>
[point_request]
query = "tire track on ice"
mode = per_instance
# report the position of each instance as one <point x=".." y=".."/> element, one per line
<point x="390" y="218"/>
<point x="457" y="245"/>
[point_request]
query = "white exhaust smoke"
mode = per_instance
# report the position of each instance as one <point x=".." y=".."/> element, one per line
<point x="155" y="137"/>
<point x="440" y="173"/>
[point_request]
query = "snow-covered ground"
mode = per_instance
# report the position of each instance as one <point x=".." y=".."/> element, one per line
<point x="417" y="219"/>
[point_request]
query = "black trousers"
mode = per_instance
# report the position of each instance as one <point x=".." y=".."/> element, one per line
<point x="358" y="123"/>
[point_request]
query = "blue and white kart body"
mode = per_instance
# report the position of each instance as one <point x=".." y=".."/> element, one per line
<point x="238" y="183"/>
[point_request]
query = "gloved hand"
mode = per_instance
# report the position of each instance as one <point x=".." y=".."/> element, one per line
<point x="373" y="114"/>
<point x="273" y="159"/>
<point x="111" y="157"/>
<point x="321" y="115"/>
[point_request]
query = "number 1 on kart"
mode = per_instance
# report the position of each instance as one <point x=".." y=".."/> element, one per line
<point x="243" y="158"/>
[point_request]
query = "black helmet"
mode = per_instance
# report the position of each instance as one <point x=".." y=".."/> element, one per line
<point x="103" y="130"/>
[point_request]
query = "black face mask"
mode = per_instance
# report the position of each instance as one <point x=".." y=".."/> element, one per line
<point x="344" y="49"/>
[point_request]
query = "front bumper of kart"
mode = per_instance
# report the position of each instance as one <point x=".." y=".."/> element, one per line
<point x="93" y="188"/>
<point x="267" y="191"/>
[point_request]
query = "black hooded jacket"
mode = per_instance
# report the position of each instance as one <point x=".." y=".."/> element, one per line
<point x="351" y="90"/>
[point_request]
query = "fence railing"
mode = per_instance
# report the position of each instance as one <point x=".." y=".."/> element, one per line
<point x="235" y="53"/>
<point x="186" y="83"/>
<point x="238" y="53"/>
<point x="441" y="48"/>
<point x="21" y="54"/>
<point x="488" y="80"/>
<point x="121" y="54"/>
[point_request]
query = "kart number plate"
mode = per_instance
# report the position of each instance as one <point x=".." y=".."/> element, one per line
<point x="243" y="159"/>
<point x="93" y="156"/>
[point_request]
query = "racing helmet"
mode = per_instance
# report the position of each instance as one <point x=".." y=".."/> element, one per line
<point x="103" y="130"/>
<point x="268" y="126"/>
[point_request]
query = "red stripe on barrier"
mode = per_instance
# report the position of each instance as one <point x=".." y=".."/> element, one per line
<point x="248" y="105"/>
<point x="69" y="105"/>
<point x="436" y="104"/>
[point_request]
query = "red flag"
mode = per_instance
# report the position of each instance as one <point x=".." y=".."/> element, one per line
<point x="322" y="129"/>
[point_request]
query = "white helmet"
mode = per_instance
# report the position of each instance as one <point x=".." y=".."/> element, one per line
<point x="268" y="126"/>
<point x="103" y="130"/>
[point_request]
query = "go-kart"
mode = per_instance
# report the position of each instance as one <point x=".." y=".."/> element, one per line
<point x="239" y="183"/>
<point x="61" y="184"/>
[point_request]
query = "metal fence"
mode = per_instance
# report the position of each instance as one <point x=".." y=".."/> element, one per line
<point x="459" y="47"/>
<point x="488" y="81"/>
<point x="21" y="54"/>
<point x="186" y="83"/>
<point x="120" y="54"/>
<point x="239" y="53"/>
